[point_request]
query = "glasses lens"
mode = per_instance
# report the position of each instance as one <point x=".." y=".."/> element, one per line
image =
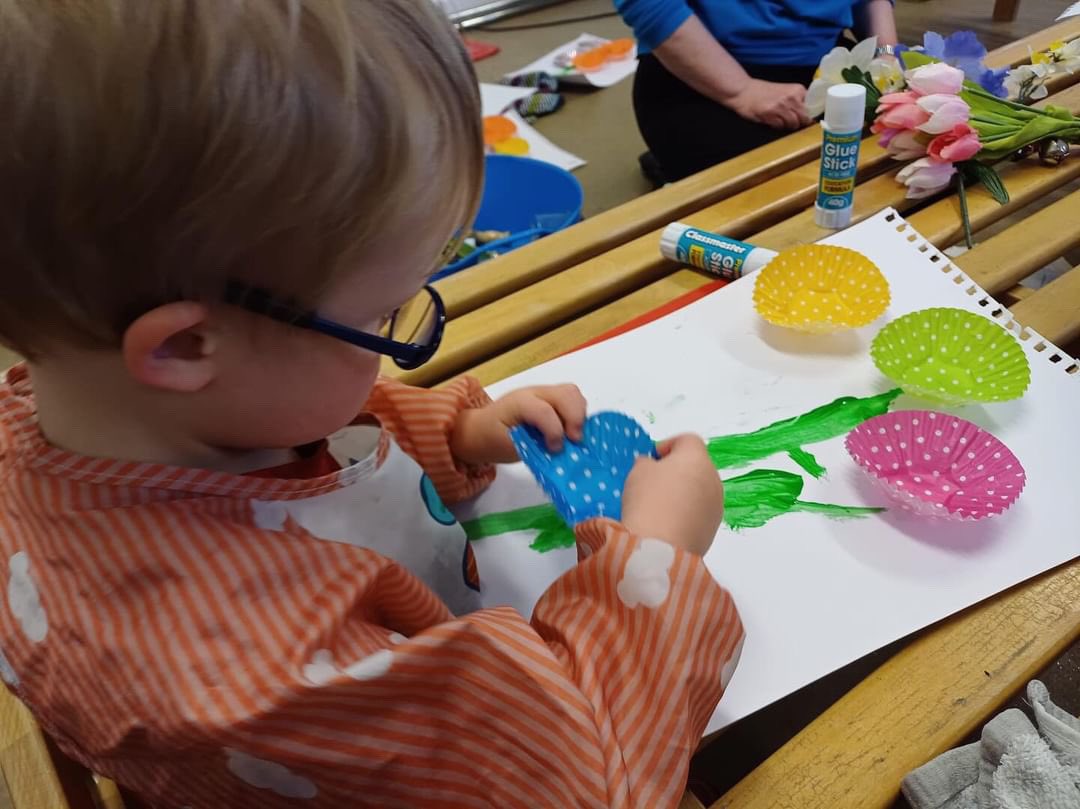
<point x="416" y="321"/>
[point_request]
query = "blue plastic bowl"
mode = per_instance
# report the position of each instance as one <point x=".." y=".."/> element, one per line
<point x="529" y="198"/>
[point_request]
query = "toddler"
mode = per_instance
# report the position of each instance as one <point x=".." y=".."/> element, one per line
<point x="231" y="577"/>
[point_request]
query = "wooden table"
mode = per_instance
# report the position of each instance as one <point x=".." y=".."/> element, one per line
<point x="534" y="304"/>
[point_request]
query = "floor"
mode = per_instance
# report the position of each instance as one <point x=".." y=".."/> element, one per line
<point x="599" y="126"/>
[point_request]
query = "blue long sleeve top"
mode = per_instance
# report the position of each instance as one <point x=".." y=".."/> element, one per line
<point x="763" y="32"/>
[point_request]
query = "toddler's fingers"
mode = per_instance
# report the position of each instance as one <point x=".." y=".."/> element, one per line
<point x="570" y="404"/>
<point x="542" y="415"/>
<point x="686" y="443"/>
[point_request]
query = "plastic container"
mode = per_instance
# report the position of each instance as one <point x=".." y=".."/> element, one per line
<point x="716" y="254"/>
<point x="845" y="112"/>
<point x="529" y="198"/>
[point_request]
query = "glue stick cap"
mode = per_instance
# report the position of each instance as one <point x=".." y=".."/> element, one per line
<point x="845" y="108"/>
<point x="669" y="240"/>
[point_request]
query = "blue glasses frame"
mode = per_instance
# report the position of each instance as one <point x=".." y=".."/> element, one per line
<point x="406" y="356"/>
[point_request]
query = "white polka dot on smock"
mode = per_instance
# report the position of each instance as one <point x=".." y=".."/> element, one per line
<point x="646" y="580"/>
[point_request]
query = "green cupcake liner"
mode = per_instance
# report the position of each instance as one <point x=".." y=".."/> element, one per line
<point x="952" y="356"/>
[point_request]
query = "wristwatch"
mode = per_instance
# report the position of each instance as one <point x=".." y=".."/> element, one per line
<point x="885" y="50"/>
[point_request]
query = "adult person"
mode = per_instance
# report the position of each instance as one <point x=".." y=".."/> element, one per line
<point x="717" y="78"/>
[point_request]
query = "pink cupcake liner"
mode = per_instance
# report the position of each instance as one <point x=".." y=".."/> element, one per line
<point x="938" y="465"/>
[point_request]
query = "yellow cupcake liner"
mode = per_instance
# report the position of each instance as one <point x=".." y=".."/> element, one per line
<point x="821" y="288"/>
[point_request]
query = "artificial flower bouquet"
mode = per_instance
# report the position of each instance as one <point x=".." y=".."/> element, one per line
<point x="939" y="106"/>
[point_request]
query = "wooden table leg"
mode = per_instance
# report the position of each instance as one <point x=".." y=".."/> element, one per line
<point x="1005" y="10"/>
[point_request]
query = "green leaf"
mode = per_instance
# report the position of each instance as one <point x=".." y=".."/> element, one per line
<point x="1058" y="112"/>
<point x="981" y="173"/>
<point x="914" y="59"/>
<point x="853" y="75"/>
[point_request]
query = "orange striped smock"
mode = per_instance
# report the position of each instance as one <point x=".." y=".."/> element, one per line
<point x="213" y="640"/>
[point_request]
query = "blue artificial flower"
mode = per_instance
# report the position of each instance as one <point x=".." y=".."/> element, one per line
<point x="964" y="51"/>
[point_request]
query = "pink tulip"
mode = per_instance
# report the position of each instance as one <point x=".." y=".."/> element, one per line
<point x="960" y="143"/>
<point x="936" y="78"/>
<point x="907" y="146"/>
<point x="895" y="99"/>
<point x="901" y="111"/>
<point x="944" y="112"/>
<point x="925" y="177"/>
<point x="885" y="132"/>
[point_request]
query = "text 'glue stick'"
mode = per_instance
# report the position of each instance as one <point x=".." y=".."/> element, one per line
<point x="845" y="109"/>
<point x="716" y="254"/>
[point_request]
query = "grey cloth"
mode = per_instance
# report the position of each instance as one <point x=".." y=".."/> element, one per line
<point x="1015" y="764"/>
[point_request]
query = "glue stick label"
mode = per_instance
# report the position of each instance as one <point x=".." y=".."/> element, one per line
<point x="714" y="254"/>
<point x="839" y="163"/>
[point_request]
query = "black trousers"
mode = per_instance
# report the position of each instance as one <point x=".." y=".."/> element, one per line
<point x="688" y="132"/>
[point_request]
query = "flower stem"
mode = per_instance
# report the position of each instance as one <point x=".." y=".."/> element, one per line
<point x="964" y="209"/>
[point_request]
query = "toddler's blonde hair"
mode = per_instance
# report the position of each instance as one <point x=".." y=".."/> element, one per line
<point x="152" y="150"/>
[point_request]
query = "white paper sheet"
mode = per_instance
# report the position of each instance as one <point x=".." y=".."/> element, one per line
<point x="494" y="98"/>
<point x="540" y="148"/>
<point x="611" y="73"/>
<point x="815" y="594"/>
<point x="1071" y="11"/>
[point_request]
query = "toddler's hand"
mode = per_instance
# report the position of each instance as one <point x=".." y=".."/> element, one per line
<point x="781" y="106"/>
<point x="678" y="498"/>
<point x="482" y="435"/>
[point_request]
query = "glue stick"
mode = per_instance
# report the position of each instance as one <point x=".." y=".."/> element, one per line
<point x="716" y="254"/>
<point x="845" y="109"/>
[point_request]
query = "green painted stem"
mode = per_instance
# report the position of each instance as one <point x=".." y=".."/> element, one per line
<point x="838" y="512"/>
<point x="790" y="435"/>
<point x="750" y="501"/>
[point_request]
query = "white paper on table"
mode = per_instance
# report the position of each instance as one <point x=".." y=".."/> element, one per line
<point x="814" y="594"/>
<point x="540" y="148"/>
<point x="611" y="73"/>
<point x="494" y="98"/>
<point x="1071" y="11"/>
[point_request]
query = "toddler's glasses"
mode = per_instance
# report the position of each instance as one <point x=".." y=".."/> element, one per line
<point x="410" y="337"/>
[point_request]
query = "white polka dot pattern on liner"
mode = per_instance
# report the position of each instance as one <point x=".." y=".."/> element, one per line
<point x="821" y="289"/>
<point x="942" y="477"/>
<point x="586" y="480"/>
<point x="646" y="581"/>
<point x="906" y="352"/>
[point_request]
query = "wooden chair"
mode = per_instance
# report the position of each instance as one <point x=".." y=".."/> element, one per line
<point x="1006" y="10"/>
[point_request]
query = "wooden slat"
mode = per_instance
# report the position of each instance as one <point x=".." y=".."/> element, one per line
<point x="1054" y="310"/>
<point x="519" y="315"/>
<point x="1014" y="295"/>
<point x="558" y="341"/>
<point x="1019" y="52"/>
<point x="492" y="280"/>
<point x="28" y="771"/>
<point x="1015" y="253"/>
<point x="920" y="703"/>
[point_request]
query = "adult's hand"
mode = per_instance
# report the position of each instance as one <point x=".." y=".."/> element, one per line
<point x="781" y="106"/>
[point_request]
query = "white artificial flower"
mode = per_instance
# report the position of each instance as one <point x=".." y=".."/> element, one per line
<point x="830" y="72"/>
<point x="887" y="75"/>
<point x="1028" y="82"/>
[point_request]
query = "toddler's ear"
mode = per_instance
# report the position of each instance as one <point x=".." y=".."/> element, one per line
<point x="171" y="347"/>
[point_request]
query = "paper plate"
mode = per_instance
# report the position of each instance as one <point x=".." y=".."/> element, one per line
<point x="821" y="288"/>
<point x="938" y="465"/>
<point x="952" y="356"/>
<point x="586" y="480"/>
